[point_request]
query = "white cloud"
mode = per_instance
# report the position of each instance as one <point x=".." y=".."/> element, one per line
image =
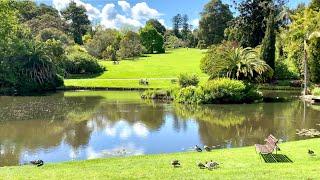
<point x="140" y="130"/>
<point x="125" y="6"/>
<point x="141" y="11"/>
<point x="195" y="23"/>
<point x="92" y="11"/>
<point x="109" y="17"/>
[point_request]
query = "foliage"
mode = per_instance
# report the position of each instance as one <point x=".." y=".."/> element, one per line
<point x="130" y="45"/>
<point x="268" y="44"/>
<point x="101" y="40"/>
<point x="218" y="91"/>
<point x="229" y="60"/>
<point x="80" y="23"/>
<point x="282" y="72"/>
<point x="213" y="22"/>
<point x="186" y="80"/>
<point x="304" y="22"/>
<point x="316" y="92"/>
<point x="157" y="94"/>
<point x="173" y="42"/>
<point x="250" y="26"/>
<point x="110" y="53"/>
<point x="53" y="33"/>
<point x="157" y="25"/>
<point x="314" y="60"/>
<point x="152" y="40"/>
<point x="82" y="63"/>
<point x="176" y="25"/>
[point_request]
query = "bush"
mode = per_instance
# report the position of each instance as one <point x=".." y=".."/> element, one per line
<point x="282" y="72"/>
<point x="219" y="91"/>
<point x="316" y="92"/>
<point x="157" y="94"/>
<point x="82" y="63"/>
<point x="186" y="80"/>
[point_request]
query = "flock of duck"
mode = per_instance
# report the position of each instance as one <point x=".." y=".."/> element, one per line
<point x="207" y="165"/>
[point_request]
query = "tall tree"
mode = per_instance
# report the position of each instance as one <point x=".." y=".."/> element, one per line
<point x="213" y="22"/>
<point x="268" y="44"/>
<point x="152" y="40"/>
<point x="185" y="27"/>
<point x="80" y="23"/>
<point x="250" y="25"/>
<point x="157" y="25"/>
<point x="176" y="24"/>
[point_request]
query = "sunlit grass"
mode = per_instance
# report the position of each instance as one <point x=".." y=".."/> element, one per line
<point x="237" y="163"/>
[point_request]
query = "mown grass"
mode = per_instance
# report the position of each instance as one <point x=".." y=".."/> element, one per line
<point x="237" y="163"/>
<point x="161" y="68"/>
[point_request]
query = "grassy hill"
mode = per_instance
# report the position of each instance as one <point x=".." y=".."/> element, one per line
<point x="237" y="163"/>
<point x="159" y="69"/>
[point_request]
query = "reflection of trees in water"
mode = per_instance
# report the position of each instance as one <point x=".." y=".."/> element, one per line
<point x="31" y="123"/>
<point x="239" y="125"/>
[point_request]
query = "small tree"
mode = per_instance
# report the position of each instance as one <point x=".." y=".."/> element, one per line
<point x="152" y="40"/>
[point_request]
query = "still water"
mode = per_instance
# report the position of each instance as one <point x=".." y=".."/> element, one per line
<point x="69" y="126"/>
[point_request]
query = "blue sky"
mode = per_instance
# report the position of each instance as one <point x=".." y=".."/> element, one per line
<point x="115" y="13"/>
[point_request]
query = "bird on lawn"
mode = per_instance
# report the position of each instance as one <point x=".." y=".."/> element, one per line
<point x="175" y="163"/>
<point x="207" y="148"/>
<point x="311" y="153"/>
<point x="38" y="163"/>
<point x="197" y="148"/>
<point x="211" y="165"/>
<point x="201" y="165"/>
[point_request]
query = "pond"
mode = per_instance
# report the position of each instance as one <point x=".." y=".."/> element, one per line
<point x="80" y="125"/>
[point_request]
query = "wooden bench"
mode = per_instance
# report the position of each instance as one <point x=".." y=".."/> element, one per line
<point x="269" y="147"/>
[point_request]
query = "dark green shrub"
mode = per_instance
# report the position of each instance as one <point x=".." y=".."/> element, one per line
<point x="82" y="63"/>
<point x="186" y="80"/>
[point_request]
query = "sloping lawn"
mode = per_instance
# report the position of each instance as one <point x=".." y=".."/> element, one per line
<point x="158" y="68"/>
<point x="237" y="163"/>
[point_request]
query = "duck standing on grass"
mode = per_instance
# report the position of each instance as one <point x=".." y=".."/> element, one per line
<point x="211" y="165"/>
<point x="207" y="148"/>
<point x="311" y="153"/>
<point x="201" y="165"/>
<point x="197" y="148"/>
<point x="175" y="163"/>
<point x="38" y="163"/>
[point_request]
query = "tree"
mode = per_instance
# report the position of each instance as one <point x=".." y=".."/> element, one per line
<point x="315" y="59"/>
<point x="130" y="45"/>
<point x="213" y="22"/>
<point x="230" y="60"/>
<point x="185" y="27"/>
<point x="176" y="24"/>
<point x="268" y="44"/>
<point x="250" y="26"/>
<point x="152" y="40"/>
<point x="315" y="5"/>
<point x="157" y="25"/>
<point x="101" y="40"/>
<point x="80" y="23"/>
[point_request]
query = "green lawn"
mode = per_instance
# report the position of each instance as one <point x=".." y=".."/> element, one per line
<point x="237" y="163"/>
<point x="158" y="68"/>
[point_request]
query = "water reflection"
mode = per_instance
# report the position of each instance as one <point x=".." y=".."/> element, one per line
<point x="85" y="125"/>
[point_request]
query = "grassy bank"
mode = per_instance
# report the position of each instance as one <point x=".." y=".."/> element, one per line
<point x="159" y="69"/>
<point x="237" y="163"/>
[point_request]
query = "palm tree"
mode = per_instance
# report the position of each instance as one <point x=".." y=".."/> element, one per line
<point x="244" y="63"/>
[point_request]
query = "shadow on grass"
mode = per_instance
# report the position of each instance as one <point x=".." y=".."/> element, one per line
<point x="83" y="76"/>
<point x="276" y="158"/>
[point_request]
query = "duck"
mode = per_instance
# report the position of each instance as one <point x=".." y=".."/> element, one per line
<point x="207" y="148"/>
<point x="211" y="165"/>
<point x="175" y="163"/>
<point x="38" y="163"/>
<point x="197" y="148"/>
<point x="201" y="165"/>
<point x="311" y="153"/>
